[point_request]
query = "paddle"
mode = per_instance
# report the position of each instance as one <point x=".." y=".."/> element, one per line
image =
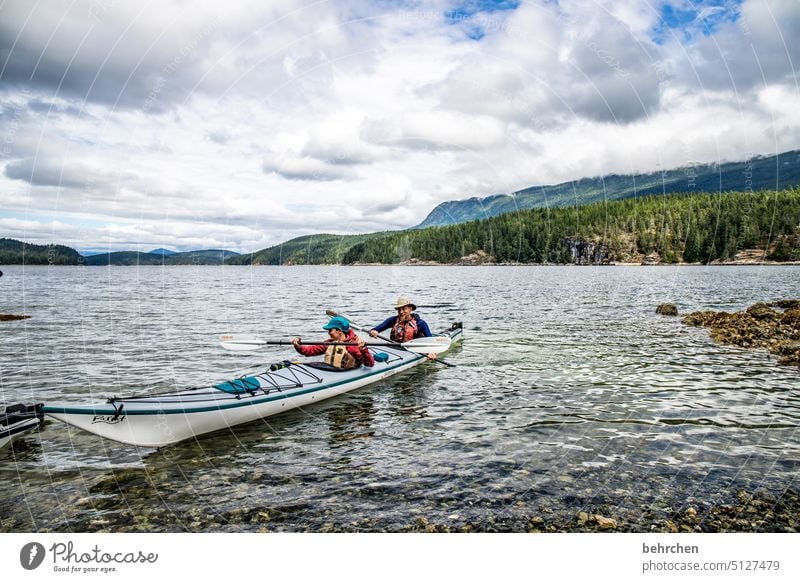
<point x="421" y="345"/>
<point x="332" y="313"/>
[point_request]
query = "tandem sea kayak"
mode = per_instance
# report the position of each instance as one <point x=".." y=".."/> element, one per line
<point x="162" y="419"/>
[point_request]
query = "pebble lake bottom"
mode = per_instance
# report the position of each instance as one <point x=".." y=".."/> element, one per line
<point x="572" y="406"/>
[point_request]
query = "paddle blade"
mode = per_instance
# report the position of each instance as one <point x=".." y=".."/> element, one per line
<point x="240" y="342"/>
<point x="353" y="324"/>
<point x="428" y="345"/>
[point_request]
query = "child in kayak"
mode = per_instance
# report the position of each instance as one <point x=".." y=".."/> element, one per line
<point x="406" y="325"/>
<point x="344" y="357"/>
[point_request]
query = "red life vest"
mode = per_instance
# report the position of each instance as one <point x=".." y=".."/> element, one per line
<point x="403" y="332"/>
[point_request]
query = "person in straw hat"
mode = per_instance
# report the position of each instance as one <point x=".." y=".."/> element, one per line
<point x="406" y="325"/>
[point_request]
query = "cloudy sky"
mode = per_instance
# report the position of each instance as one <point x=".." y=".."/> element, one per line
<point x="135" y="125"/>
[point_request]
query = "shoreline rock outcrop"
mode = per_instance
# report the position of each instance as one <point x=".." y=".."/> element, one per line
<point x="667" y="309"/>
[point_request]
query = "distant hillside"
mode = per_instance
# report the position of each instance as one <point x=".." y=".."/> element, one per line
<point x="123" y="258"/>
<point x="760" y="173"/>
<point x="14" y="252"/>
<point x="675" y="228"/>
<point x="204" y="257"/>
<point x="316" y="249"/>
<point x="163" y="252"/>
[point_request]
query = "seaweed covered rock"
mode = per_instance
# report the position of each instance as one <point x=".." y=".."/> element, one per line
<point x="667" y="309"/>
<point x="789" y="353"/>
<point x="759" y="326"/>
<point x="762" y="311"/>
<point x="786" y="304"/>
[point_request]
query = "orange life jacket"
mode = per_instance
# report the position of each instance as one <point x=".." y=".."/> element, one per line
<point x="403" y="332"/>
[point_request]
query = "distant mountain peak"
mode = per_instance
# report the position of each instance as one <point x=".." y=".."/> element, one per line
<point x="164" y="252"/>
<point x="761" y="172"/>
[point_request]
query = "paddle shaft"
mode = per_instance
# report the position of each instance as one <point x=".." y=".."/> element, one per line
<point x="332" y="313"/>
<point x="419" y="343"/>
<point x="302" y="343"/>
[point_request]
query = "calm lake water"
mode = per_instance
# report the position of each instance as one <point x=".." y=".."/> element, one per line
<point x="569" y="394"/>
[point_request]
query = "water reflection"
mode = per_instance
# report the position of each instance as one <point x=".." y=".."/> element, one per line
<point x="353" y="418"/>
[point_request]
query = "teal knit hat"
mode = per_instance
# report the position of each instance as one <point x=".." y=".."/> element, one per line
<point x="338" y="323"/>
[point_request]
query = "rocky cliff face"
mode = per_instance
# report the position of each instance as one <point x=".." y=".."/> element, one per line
<point x="586" y="252"/>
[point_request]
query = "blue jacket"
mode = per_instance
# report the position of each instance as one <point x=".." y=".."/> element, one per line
<point x="422" y="328"/>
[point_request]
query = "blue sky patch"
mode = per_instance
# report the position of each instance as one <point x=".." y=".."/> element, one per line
<point x="688" y="20"/>
<point x="473" y="15"/>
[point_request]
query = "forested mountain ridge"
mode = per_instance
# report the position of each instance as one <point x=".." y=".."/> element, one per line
<point x="315" y="249"/>
<point x="759" y="173"/>
<point x="204" y="257"/>
<point x="14" y="252"/>
<point x="676" y="228"/>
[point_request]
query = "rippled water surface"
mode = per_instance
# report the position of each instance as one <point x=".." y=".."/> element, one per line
<point x="569" y="394"/>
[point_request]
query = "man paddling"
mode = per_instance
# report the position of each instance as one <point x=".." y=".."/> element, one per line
<point x="406" y="325"/>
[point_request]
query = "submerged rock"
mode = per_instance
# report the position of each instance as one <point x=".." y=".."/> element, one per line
<point x="759" y="326"/>
<point x="604" y="522"/>
<point x="786" y="304"/>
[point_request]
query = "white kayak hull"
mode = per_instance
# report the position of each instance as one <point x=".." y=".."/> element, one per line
<point x="160" y="420"/>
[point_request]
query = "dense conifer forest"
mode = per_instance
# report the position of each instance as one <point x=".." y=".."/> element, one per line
<point x="699" y="228"/>
<point x="14" y="252"/>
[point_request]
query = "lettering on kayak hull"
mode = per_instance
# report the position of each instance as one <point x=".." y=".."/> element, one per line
<point x="108" y="419"/>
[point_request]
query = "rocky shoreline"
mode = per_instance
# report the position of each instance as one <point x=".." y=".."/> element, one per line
<point x="755" y="513"/>
<point x="747" y="512"/>
<point x="467" y="262"/>
<point x="758" y="512"/>
<point x="481" y="259"/>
